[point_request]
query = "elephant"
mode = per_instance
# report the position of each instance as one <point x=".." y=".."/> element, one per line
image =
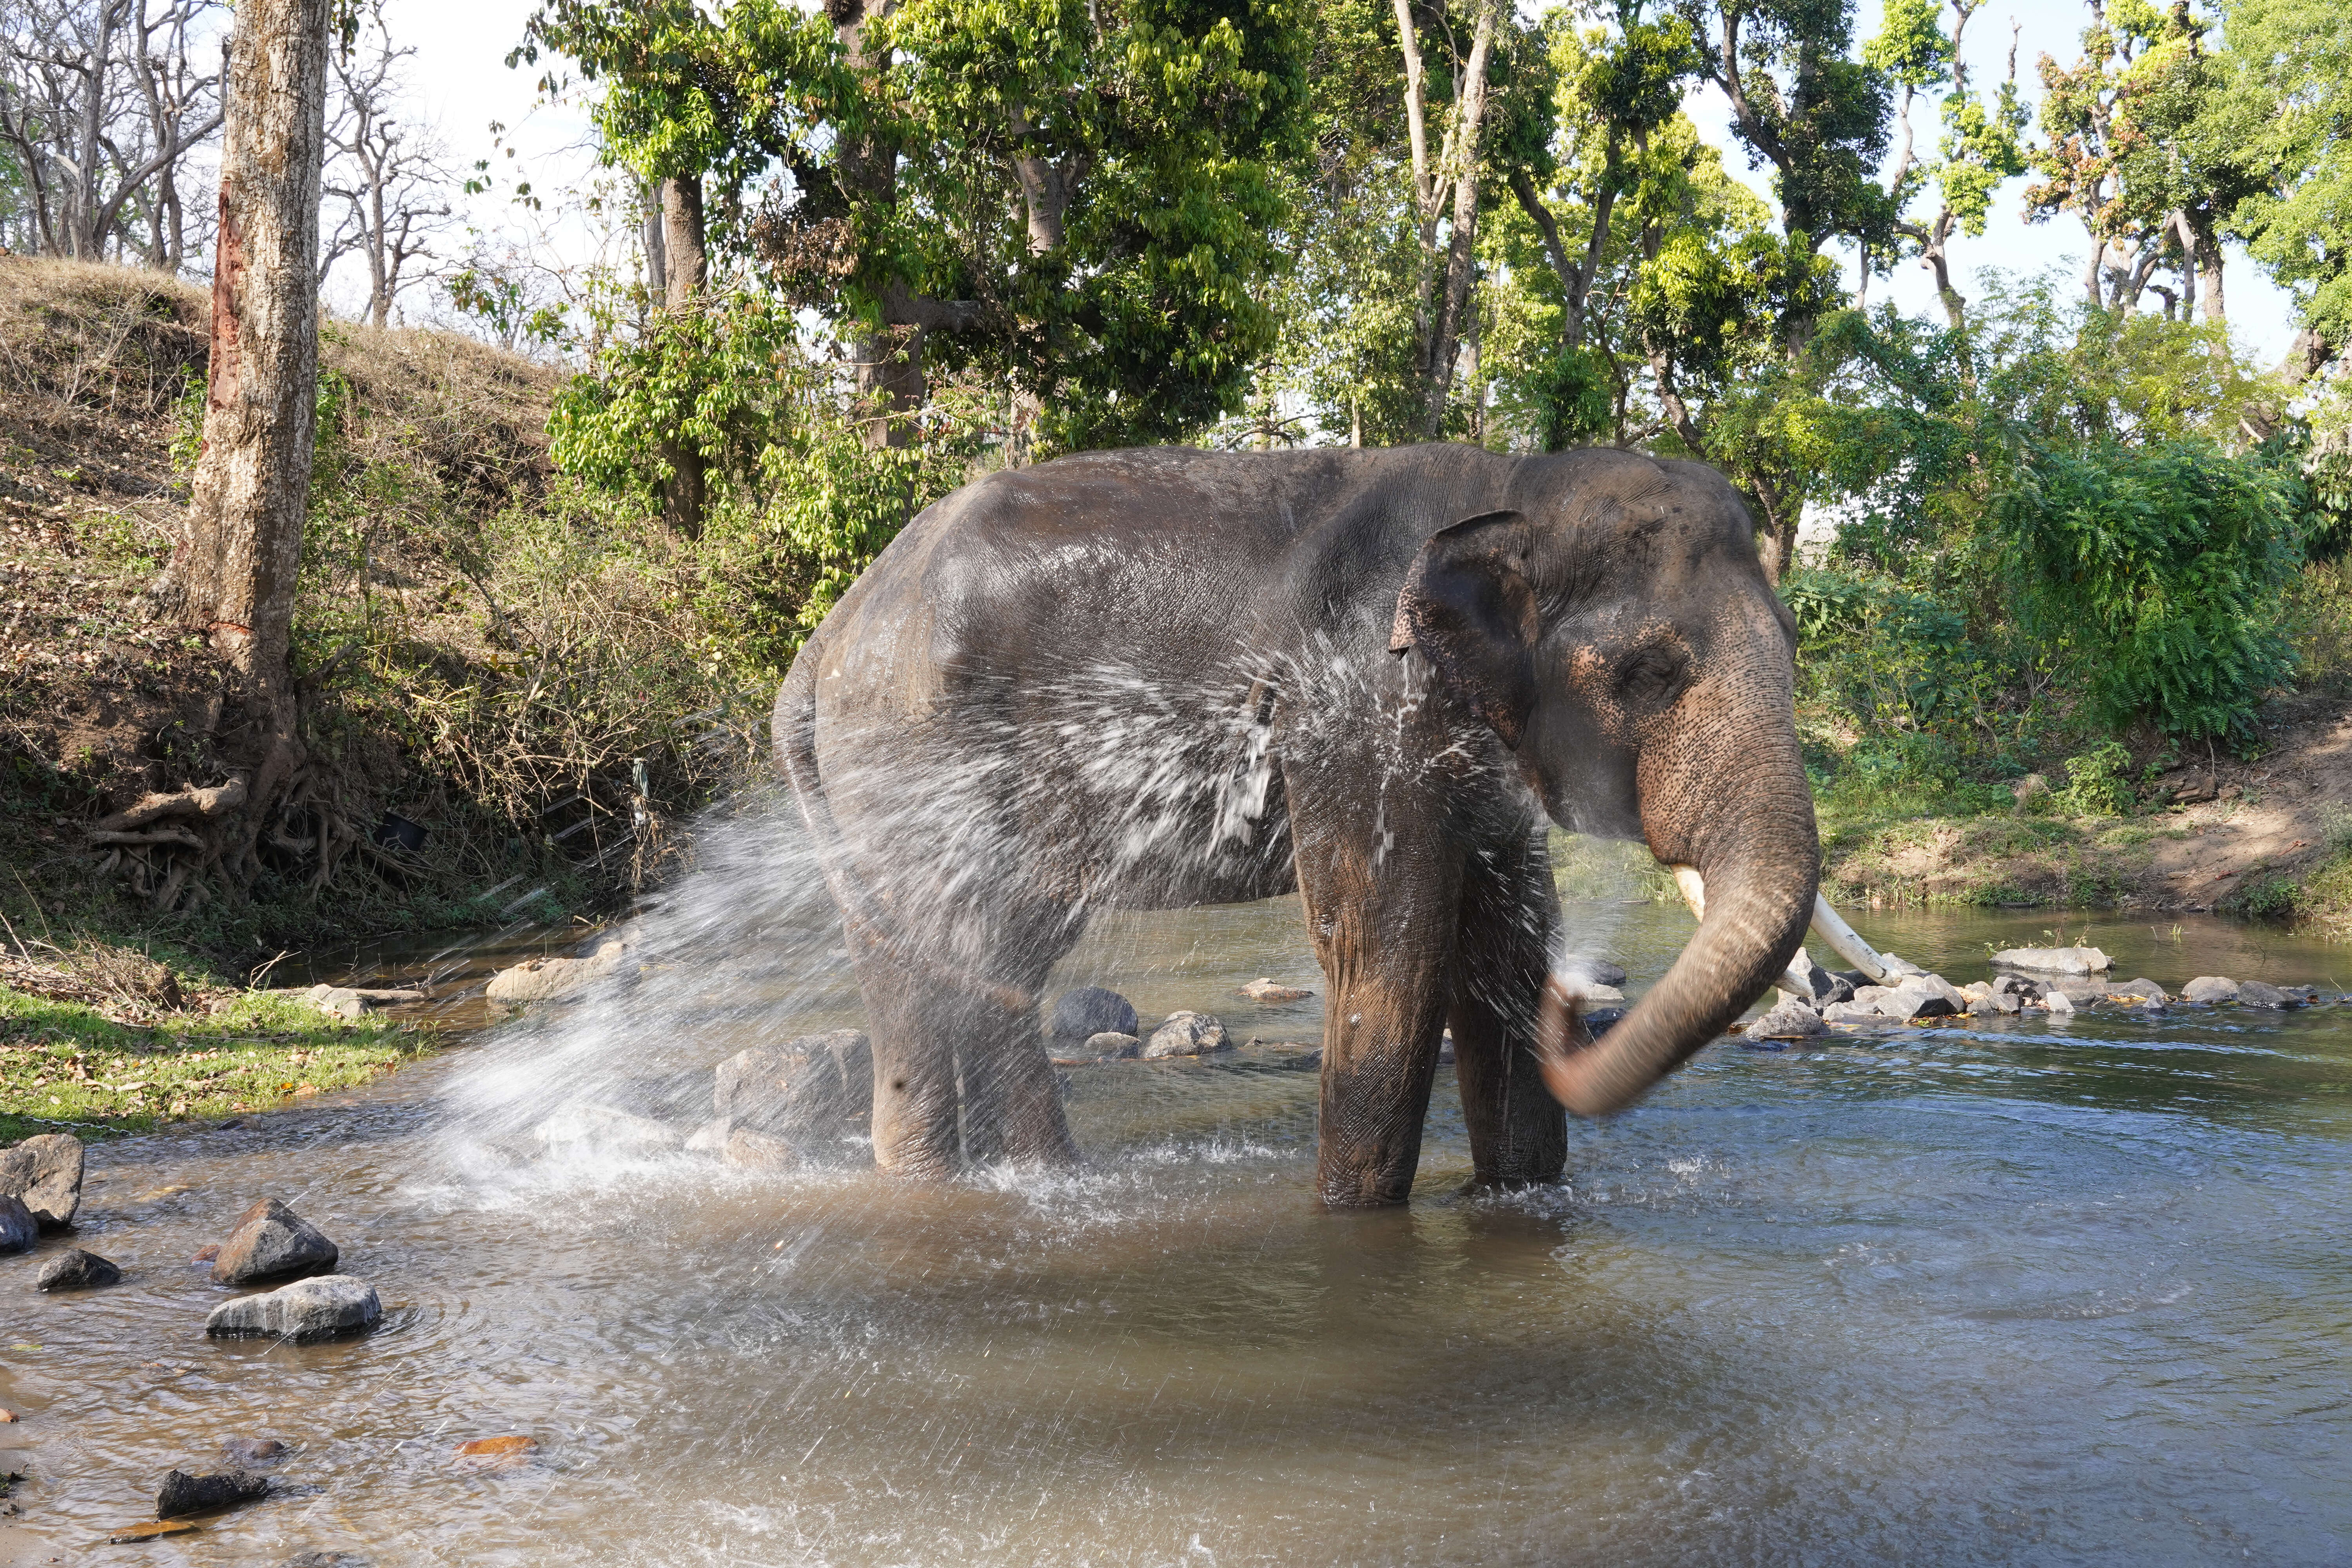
<point x="1161" y="678"/>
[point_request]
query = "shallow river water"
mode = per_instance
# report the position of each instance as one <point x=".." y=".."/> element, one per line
<point x="2016" y="1293"/>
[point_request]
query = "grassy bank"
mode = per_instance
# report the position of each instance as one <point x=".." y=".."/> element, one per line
<point x="97" y="1066"/>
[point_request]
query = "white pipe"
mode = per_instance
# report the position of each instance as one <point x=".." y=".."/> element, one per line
<point x="1843" y="938"/>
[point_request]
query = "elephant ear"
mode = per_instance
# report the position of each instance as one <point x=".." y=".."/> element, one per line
<point x="1469" y="609"/>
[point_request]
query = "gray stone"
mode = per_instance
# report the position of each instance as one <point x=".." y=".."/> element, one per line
<point x="1089" y="1010"/>
<point x="710" y="1138"/>
<point x="1112" y="1048"/>
<point x="812" y="1091"/>
<point x="327" y="1307"/>
<point x="2058" y="1002"/>
<point x="183" y="1493"/>
<point x="336" y="1001"/>
<point x="45" y="1171"/>
<point x="18" y="1229"/>
<point x="1983" y="1007"/>
<point x="74" y="1269"/>
<point x="586" y="1125"/>
<point x="2142" y="993"/>
<point x="1899" y="968"/>
<point x="1266" y="993"/>
<point x="749" y="1149"/>
<point x="1869" y="995"/>
<point x="1932" y="1006"/>
<point x="2005" y="1002"/>
<point x="2053" y="960"/>
<point x="272" y="1241"/>
<point x="2210" y="990"/>
<point x="2015" y="986"/>
<point x="1851" y="1012"/>
<point x="549" y="979"/>
<point x="2254" y="994"/>
<point x="1185" y="1034"/>
<point x="1828" y="987"/>
<point x="1788" y="1020"/>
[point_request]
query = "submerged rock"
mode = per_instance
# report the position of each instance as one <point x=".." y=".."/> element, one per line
<point x="812" y="1090"/>
<point x="19" y="1231"/>
<point x="2210" y="990"/>
<point x="2254" y="994"/>
<point x="1113" y="1048"/>
<point x="272" y="1242"/>
<point x="2053" y="960"/>
<point x="586" y="1125"/>
<point x="1186" y="1034"/>
<point x="326" y="1560"/>
<point x="1088" y="1011"/>
<point x="245" y="1453"/>
<point x="329" y="1307"/>
<point x="74" y="1269"/>
<point x="549" y="979"/>
<point x="2141" y="992"/>
<point x="45" y="1172"/>
<point x="1265" y="993"/>
<point x="1592" y="971"/>
<point x="184" y="1494"/>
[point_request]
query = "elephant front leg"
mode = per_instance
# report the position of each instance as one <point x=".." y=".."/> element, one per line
<point x="1518" y="1133"/>
<point x="1383" y="917"/>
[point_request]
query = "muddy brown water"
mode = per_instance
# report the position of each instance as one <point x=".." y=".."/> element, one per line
<point x="2014" y="1292"/>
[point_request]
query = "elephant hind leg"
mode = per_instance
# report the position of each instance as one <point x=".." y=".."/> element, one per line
<point x="960" y="1075"/>
<point x="1518" y="1133"/>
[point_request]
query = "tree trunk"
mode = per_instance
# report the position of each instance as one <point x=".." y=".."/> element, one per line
<point x="233" y="576"/>
<point x="236" y="574"/>
<point x="686" y="261"/>
<point x="1444" y="338"/>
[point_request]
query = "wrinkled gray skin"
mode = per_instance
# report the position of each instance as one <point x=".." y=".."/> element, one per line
<point x="1155" y="678"/>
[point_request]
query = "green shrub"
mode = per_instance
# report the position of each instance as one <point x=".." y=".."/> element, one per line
<point x="2098" y="782"/>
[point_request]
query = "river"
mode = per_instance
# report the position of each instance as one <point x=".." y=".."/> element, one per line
<point x="2008" y="1291"/>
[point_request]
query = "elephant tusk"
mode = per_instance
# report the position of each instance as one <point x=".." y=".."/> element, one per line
<point x="1848" y="943"/>
<point x="1799" y="976"/>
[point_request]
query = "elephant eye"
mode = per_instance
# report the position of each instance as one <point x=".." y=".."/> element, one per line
<point x="1654" y="677"/>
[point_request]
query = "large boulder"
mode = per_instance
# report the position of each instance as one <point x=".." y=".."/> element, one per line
<point x="74" y="1269"/>
<point x="2142" y="993"/>
<point x="2210" y="990"/>
<point x="45" y="1171"/>
<point x="1186" y="1034"/>
<point x="2053" y="960"/>
<point x="548" y="979"/>
<point x="272" y="1241"/>
<point x="2254" y="994"/>
<point x="19" y="1231"/>
<point x="812" y="1091"/>
<point x="1088" y="1010"/>
<point x="325" y="1307"/>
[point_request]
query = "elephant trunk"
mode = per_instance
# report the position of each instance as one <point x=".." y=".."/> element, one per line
<point x="1757" y="855"/>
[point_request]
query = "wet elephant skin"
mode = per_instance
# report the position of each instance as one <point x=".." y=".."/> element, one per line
<point x="1153" y="679"/>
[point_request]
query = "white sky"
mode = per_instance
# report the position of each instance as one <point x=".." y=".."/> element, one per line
<point x="461" y="76"/>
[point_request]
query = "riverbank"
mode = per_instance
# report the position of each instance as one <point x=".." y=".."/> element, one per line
<point x="2269" y="838"/>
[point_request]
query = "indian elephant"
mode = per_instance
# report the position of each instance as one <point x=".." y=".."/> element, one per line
<point x="1147" y="680"/>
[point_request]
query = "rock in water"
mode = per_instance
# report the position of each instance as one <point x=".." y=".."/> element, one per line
<point x="2058" y="1002"/>
<point x="325" y="1307"/>
<point x="75" y="1269"/>
<point x="272" y="1242"/>
<point x="1790" y="1020"/>
<point x="1110" y="1047"/>
<point x="1088" y="1010"/>
<point x="2210" y="990"/>
<point x="183" y="1493"/>
<point x="1265" y="993"/>
<point x="1899" y="968"/>
<point x="1593" y="971"/>
<point x="2053" y="960"/>
<point x="326" y="1560"/>
<point x="812" y="1091"/>
<point x="45" y="1173"/>
<point x="2143" y="993"/>
<point x="547" y="979"/>
<point x="748" y="1148"/>
<point x="2254" y="994"/>
<point x="247" y="1453"/>
<point x="1828" y="988"/>
<point x="585" y="1124"/>
<point x="1185" y="1034"/>
<point x="1852" y="1013"/>
<point x="18" y="1229"/>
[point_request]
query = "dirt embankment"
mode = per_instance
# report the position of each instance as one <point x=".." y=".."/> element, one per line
<point x="2271" y="837"/>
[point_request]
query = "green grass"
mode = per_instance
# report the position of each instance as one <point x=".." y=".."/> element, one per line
<point x="66" y="1063"/>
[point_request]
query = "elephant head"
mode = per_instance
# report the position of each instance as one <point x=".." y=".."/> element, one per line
<point x="1621" y="638"/>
